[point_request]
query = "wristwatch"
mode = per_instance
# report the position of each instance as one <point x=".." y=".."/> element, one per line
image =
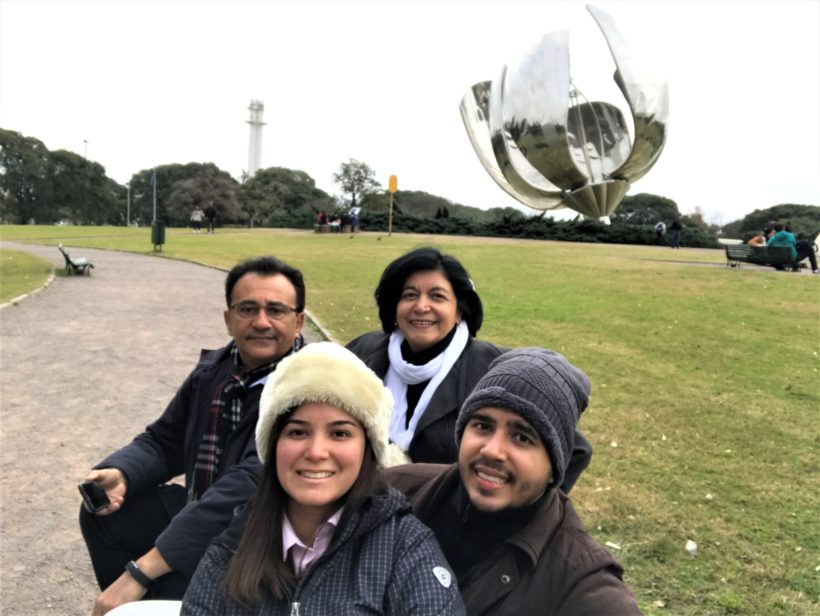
<point x="143" y="580"/>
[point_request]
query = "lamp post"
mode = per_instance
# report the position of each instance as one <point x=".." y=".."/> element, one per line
<point x="392" y="187"/>
<point x="128" y="204"/>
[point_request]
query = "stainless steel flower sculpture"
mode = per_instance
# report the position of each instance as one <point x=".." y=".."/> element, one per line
<point x="547" y="146"/>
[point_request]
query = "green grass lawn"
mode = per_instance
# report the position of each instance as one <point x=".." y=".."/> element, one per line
<point x="20" y="273"/>
<point x="705" y="409"/>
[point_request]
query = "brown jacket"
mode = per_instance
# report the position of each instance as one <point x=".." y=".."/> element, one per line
<point x="551" y="566"/>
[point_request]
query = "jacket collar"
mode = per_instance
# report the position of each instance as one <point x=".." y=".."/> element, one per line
<point x="372" y="511"/>
<point x="532" y="538"/>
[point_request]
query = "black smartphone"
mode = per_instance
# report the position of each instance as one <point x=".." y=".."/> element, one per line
<point x="94" y="497"/>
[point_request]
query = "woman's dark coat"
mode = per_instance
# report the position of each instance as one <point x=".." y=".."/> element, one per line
<point x="384" y="561"/>
<point x="434" y="440"/>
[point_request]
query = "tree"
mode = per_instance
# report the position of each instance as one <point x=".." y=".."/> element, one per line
<point x="300" y="202"/>
<point x="262" y="195"/>
<point x="167" y="176"/>
<point x="803" y="219"/>
<point x="302" y="193"/>
<point x="82" y="193"/>
<point x="356" y="179"/>
<point x="378" y="201"/>
<point x="509" y="214"/>
<point x="644" y="209"/>
<point x="220" y="191"/>
<point x="281" y="197"/>
<point x="45" y="187"/>
<point x="25" y="187"/>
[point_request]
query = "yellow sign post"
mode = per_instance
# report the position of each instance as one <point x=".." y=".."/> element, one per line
<point x="392" y="186"/>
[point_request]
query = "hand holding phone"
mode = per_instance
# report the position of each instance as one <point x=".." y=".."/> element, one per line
<point x="94" y="497"/>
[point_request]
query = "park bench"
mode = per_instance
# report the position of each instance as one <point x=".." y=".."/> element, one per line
<point x="78" y="266"/>
<point x="775" y="256"/>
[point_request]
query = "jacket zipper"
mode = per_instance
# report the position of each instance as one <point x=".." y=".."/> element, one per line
<point x="294" y="608"/>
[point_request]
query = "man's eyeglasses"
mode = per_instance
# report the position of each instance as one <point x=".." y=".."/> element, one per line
<point x="249" y="310"/>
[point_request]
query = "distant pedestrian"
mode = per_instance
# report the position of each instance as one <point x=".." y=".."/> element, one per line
<point x="210" y="212"/>
<point x="660" y="231"/>
<point x="196" y="219"/>
<point x="676" y="229"/>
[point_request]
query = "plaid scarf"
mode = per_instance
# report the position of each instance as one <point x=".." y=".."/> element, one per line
<point x="226" y="411"/>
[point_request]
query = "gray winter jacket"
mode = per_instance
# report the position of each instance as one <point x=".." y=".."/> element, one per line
<point x="384" y="561"/>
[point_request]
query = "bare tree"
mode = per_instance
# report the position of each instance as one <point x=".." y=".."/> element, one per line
<point x="356" y="179"/>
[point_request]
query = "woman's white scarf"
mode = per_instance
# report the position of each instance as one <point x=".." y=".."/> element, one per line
<point x="400" y="374"/>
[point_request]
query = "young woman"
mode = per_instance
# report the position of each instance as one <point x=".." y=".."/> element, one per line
<point x="324" y="534"/>
<point x="428" y="356"/>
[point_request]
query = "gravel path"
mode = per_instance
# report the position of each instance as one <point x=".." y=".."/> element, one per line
<point x="86" y="364"/>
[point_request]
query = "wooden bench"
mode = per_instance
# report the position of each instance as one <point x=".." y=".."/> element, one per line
<point x="778" y="256"/>
<point x="78" y="266"/>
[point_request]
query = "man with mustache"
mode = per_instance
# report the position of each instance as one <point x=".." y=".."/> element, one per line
<point x="150" y="538"/>
<point x="511" y="536"/>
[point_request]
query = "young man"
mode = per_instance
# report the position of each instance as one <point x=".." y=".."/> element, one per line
<point x="152" y="535"/>
<point x="512" y="537"/>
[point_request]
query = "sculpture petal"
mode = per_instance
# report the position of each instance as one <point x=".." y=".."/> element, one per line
<point x="598" y="138"/>
<point x="474" y="110"/>
<point x="647" y="96"/>
<point x="534" y="107"/>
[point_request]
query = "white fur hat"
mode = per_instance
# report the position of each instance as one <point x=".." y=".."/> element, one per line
<point x="328" y="372"/>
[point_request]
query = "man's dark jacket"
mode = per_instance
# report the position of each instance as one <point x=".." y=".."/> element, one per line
<point x="549" y="567"/>
<point x="168" y="448"/>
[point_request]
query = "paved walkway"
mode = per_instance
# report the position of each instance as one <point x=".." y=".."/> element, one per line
<point x="85" y="364"/>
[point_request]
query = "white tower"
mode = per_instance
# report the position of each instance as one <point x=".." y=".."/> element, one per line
<point x="255" y="144"/>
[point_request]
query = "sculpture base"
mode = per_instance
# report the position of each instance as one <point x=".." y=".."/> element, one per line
<point x="597" y="200"/>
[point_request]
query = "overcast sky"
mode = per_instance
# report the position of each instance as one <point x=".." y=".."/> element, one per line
<point x="145" y="83"/>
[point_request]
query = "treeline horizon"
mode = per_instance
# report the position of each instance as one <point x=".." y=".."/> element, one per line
<point x="46" y="187"/>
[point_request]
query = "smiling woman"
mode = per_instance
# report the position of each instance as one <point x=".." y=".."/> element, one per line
<point x="428" y="356"/>
<point x="322" y="504"/>
<point x="426" y="353"/>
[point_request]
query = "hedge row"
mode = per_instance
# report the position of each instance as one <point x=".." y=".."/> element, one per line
<point x="538" y="228"/>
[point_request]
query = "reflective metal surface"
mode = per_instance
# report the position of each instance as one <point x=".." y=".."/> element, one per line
<point x="474" y="109"/>
<point x="547" y="146"/>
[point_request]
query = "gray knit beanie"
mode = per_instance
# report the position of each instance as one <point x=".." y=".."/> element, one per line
<point x="542" y="387"/>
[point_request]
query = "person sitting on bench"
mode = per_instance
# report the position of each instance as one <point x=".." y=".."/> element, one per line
<point x="799" y="249"/>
